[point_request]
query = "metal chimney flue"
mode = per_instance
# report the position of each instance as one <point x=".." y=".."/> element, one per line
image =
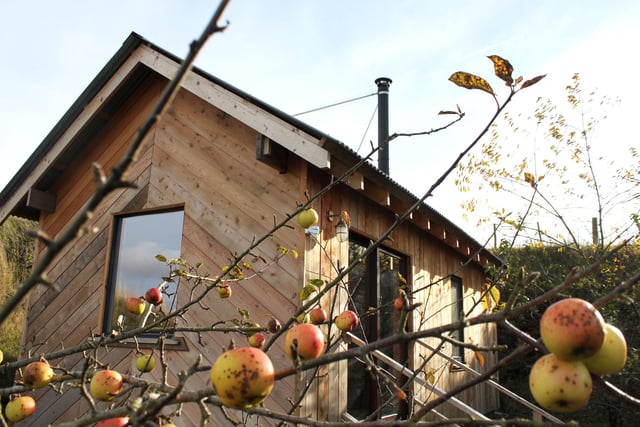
<point x="383" y="123"/>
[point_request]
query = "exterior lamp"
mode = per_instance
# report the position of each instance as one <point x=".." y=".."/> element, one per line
<point x="342" y="227"/>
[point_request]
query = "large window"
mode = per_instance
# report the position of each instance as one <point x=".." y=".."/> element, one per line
<point x="134" y="269"/>
<point x="373" y="286"/>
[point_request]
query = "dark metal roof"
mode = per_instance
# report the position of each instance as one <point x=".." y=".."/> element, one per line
<point x="133" y="41"/>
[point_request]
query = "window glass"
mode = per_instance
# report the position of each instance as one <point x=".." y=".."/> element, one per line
<point x="134" y="269"/>
<point x="373" y="285"/>
<point x="457" y="307"/>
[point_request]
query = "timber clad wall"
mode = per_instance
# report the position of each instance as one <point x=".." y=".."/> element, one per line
<point x="203" y="159"/>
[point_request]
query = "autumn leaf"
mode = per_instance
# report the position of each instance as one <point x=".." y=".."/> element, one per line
<point x="532" y="81"/>
<point x="529" y="178"/>
<point x="502" y="68"/>
<point x="470" y="81"/>
<point x="306" y="292"/>
<point x="495" y="294"/>
<point x="429" y="375"/>
<point x="479" y="357"/>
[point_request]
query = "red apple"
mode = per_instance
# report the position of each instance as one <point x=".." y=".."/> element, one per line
<point x="572" y="329"/>
<point x="37" y="374"/>
<point x="20" y="408"/>
<point x="135" y="305"/>
<point x="113" y="422"/>
<point x="398" y="303"/>
<point x="242" y="377"/>
<point x="257" y="340"/>
<point x="308" y="340"/>
<point x="105" y="385"/>
<point x="153" y="296"/>
<point x="347" y="320"/>
<point x="318" y="315"/>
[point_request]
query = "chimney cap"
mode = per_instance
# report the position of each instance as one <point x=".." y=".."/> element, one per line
<point x="383" y="81"/>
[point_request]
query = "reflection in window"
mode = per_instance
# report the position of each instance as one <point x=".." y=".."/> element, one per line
<point x="374" y="283"/>
<point x="133" y="267"/>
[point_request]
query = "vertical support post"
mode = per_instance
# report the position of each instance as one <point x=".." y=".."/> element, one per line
<point x="383" y="123"/>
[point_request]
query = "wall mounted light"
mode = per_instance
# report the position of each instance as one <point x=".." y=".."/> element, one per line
<point x="342" y="227"/>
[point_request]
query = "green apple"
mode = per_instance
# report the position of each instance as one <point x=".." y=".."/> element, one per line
<point x="145" y="363"/>
<point x="560" y="385"/>
<point x="612" y="356"/>
<point x="572" y="329"/>
<point x="307" y="217"/>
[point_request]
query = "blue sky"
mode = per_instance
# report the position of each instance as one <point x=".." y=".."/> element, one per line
<point x="299" y="55"/>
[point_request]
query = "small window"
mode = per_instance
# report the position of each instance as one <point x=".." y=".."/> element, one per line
<point x="133" y="267"/>
<point x="457" y="314"/>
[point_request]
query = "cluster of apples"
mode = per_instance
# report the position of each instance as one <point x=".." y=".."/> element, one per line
<point x="581" y="343"/>
<point x="137" y="305"/>
<point x="244" y="377"/>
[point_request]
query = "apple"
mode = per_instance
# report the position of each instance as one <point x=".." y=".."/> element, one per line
<point x="398" y="303"/>
<point x="1" y="356"/>
<point x="37" y="374"/>
<point x="242" y="377"/>
<point x="224" y="290"/>
<point x="347" y="320"/>
<point x="308" y="340"/>
<point x="257" y="340"/>
<point x="20" y="408"/>
<point x="136" y="305"/>
<point x="105" y="385"/>
<point x="273" y="325"/>
<point x="560" y="385"/>
<point x="318" y="315"/>
<point x="303" y="318"/>
<point x="612" y="356"/>
<point x="572" y="329"/>
<point x="113" y="422"/>
<point x="145" y="363"/>
<point x="307" y="217"/>
<point x="153" y="296"/>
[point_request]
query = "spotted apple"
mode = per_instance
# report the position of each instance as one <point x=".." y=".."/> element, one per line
<point x="304" y="340"/>
<point x="19" y="408"/>
<point x="242" y="377"/>
<point x="572" y="329"/>
<point x="224" y="290"/>
<point x="347" y="320"/>
<point x="307" y="217"/>
<point x="105" y="385"/>
<point x="560" y="385"/>
<point x="612" y="356"/>
<point x="37" y="374"/>
<point x="257" y="340"/>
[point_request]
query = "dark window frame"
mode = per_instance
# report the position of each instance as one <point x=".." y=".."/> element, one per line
<point x="150" y="339"/>
<point x="457" y="314"/>
<point x="372" y="325"/>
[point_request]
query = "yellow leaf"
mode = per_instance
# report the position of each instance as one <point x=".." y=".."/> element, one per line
<point x="485" y="302"/>
<point x="470" y="81"/>
<point x="529" y="178"/>
<point x="294" y="253"/>
<point x="502" y="68"/>
<point x="495" y="294"/>
<point x="429" y="375"/>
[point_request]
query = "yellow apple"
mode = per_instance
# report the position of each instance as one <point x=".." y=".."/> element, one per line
<point x="135" y="305"/>
<point x="612" y="356"/>
<point x="242" y="377"/>
<point x="346" y="320"/>
<point x="307" y="217"/>
<point x="20" y="408"/>
<point x="1" y="356"/>
<point x="37" y="374"/>
<point x="572" y="329"/>
<point x="105" y="385"/>
<point x="560" y="385"/>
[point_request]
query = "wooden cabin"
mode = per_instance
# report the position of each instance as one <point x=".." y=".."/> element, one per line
<point x="214" y="174"/>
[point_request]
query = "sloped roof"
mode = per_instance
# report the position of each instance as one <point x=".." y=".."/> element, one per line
<point x="14" y="203"/>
